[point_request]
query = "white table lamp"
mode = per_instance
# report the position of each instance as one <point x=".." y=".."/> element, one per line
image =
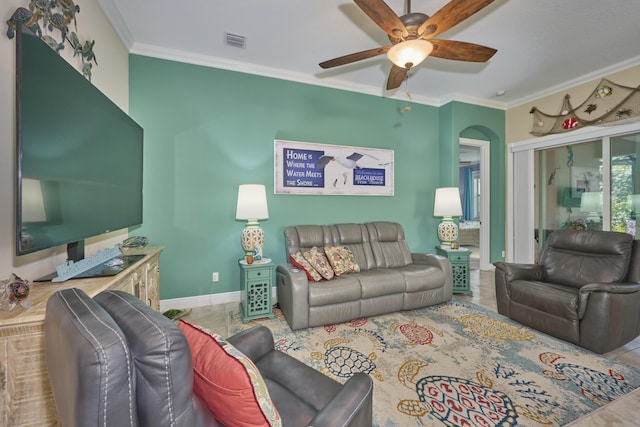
<point x="447" y="205"/>
<point x="252" y="206"/>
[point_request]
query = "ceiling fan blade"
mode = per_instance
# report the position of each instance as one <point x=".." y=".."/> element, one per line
<point x="353" y="57"/>
<point x="451" y="14"/>
<point x="382" y="15"/>
<point x="396" y="77"/>
<point x="461" y="51"/>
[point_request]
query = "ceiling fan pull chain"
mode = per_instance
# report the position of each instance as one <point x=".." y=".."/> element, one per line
<point x="407" y="107"/>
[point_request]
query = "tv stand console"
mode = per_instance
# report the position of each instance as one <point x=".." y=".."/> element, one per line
<point x="25" y="393"/>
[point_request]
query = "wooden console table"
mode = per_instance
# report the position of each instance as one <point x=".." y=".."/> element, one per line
<point x="25" y="393"/>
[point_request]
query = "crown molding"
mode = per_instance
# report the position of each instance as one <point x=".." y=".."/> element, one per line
<point x="114" y="16"/>
<point x="586" y="78"/>
<point x="277" y="73"/>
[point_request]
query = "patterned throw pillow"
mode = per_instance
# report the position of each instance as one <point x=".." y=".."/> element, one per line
<point x="319" y="261"/>
<point x="298" y="261"/>
<point x="341" y="259"/>
<point x="227" y="381"/>
<point x="349" y="260"/>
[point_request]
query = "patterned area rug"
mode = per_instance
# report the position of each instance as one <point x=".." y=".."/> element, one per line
<point x="457" y="364"/>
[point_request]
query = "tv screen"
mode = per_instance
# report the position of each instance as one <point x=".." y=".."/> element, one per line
<point x="79" y="164"/>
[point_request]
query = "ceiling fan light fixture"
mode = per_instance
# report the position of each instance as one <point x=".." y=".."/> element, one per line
<point x="409" y="53"/>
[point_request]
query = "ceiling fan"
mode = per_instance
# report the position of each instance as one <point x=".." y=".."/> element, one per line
<point x="411" y="37"/>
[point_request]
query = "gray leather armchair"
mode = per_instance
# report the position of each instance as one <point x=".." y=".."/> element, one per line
<point x="114" y="361"/>
<point x="585" y="289"/>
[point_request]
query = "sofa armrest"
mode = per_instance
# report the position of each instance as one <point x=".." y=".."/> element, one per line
<point x="253" y="343"/>
<point x="610" y="288"/>
<point x="609" y="315"/>
<point x="514" y="271"/>
<point x="507" y="272"/>
<point x="293" y="295"/>
<point x="429" y="259"/>
<point x="437" y="261"/>
<point x="352" y="406"/>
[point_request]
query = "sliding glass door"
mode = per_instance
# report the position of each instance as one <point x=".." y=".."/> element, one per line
<point x="587" y="185"/>
<point x="587" y="179"/>
<point x="625" y="183"/>
<point x="568" y="189"/>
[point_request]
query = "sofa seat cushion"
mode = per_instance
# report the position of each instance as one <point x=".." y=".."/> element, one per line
<point x="338" y="290"/>
<point x="381" y="282"/>
<point x="297" y="402"/>
<point x="420" y="278"/>
<point x="556" y="300"/>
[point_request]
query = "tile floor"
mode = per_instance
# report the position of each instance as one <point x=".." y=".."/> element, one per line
<point x="624" y="412"/>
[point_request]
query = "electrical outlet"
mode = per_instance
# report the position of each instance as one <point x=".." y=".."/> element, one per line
<point x="215" y="276"/>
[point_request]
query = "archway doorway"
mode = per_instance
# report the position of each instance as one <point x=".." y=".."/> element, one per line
<point x="475" y="187"/>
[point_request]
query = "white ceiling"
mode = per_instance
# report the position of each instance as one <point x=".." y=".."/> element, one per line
<point x="543" y="46"/>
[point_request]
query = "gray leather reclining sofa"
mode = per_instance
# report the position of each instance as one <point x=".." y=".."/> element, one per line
<point x="114" y="361"/>
<point x="391" y="277"/>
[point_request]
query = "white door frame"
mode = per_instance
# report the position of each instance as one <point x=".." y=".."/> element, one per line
<point x="485" y="193"/>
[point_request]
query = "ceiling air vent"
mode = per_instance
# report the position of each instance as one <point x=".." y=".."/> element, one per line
<point x="235" y="40"/>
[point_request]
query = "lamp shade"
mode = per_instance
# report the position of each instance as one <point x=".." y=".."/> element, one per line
<point x="447" y="202"/>
<point x="409" y="53"/>
<point x="252" y="202"/>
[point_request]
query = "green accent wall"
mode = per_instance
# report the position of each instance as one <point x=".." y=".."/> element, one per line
<point x="209" y="130"/>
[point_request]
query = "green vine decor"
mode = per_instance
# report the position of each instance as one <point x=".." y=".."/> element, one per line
<point x="55" y="15"/>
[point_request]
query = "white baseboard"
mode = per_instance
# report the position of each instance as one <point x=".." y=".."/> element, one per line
<point x="204" y="300"/>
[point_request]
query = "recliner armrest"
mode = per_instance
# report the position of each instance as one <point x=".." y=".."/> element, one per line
<point x="293" y="295"/>
<point x="514" y="271"/>
<point x="351" y="406"/>
<point x="253" y="343"/>
<point x="611" y="288"/>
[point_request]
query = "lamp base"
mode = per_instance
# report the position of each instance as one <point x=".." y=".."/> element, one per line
<point x="447" y="232"/>
<point x="252" y="238"/>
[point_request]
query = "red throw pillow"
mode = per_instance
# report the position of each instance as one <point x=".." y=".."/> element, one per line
<point x="227" y="381"/>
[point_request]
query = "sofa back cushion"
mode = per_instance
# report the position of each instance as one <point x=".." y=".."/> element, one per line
<point x="388" y="245"/>
<point x="578" y="257"/>
<point x="304" y="237"/>
<point x="89" y="364"/>
<point x="162" y="361"/>
<point x="356" y="238"/>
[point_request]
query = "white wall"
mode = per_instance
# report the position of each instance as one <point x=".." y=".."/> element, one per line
<point x="111" y="75"/>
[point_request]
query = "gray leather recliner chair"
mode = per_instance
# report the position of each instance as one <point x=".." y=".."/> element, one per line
<point x="114" y="361"/>
<point x="585" y="289"/>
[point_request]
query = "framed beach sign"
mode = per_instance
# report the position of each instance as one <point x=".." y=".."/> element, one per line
<point x="311" y="168"/>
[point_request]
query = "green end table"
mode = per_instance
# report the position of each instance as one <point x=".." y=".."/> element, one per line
<point x="459" y="259"/>
<point x="256" y="281"/>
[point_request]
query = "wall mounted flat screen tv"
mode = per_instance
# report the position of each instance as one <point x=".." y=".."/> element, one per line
<point x="79" y="156"/>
